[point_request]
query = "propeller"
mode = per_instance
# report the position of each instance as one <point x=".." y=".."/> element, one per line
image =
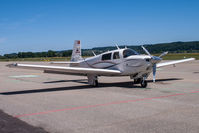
<point x="155" y="60"/>
<point x="154" y="72"/>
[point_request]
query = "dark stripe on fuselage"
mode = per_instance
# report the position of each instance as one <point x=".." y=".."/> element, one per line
<point x="114" y="64"/>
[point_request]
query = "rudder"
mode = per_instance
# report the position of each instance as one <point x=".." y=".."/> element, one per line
<point x="76" y="54"/>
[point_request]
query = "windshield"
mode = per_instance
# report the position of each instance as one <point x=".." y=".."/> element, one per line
<point x="129" y="52"/>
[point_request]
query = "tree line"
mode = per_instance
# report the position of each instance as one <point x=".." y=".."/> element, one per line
<point x="174" y="47"/>
<point x="49" y="53"/>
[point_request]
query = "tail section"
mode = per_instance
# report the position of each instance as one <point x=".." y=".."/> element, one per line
<point x="76" y="54"/>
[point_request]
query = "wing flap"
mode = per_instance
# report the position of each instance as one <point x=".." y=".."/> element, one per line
<point x="174" y="62"/>
<point x="72" y="70"/>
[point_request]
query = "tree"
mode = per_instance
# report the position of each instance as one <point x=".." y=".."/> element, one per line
<point x="51" y="53"/>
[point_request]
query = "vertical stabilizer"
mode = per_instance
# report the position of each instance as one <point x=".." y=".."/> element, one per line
<point x="76" y="54"/>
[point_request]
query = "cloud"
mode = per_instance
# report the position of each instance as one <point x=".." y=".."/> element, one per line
<point x="3" y="39"/>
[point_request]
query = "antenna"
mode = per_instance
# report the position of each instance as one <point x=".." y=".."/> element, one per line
<point x="93" y="53"/>
<point x="117" y="46"/>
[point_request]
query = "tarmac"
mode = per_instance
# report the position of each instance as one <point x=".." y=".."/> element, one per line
<point x="67" y="104"/>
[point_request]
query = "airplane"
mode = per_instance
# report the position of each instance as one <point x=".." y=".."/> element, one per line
<point x="119" y="62"/>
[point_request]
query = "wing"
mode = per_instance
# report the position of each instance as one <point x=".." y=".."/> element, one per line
<point x="174" y="62"/>
<point x="68" y="70"/>
<point x="65" y="62"/>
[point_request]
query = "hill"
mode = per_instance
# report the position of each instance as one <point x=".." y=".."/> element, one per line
<point x="174" y="47"/>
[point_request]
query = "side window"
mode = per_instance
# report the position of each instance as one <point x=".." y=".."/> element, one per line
<point x="116" y="55"/>
<point x="106" y="56"/>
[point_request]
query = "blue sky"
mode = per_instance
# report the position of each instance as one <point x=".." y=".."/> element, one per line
<point x="40" y="25"/>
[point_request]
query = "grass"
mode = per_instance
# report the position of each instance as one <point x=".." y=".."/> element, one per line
<point x="177" y="56"/>
<point x="171" y="56"/>
<point x="39" y="59"/>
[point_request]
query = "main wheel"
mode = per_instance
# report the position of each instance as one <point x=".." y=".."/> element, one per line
<point x="96" y="83"/>
<point x="143" y="83"/>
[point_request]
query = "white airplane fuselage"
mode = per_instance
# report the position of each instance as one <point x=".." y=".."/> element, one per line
<point x="134" y="65"/>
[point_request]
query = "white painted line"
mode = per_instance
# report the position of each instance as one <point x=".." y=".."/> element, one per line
<point x="24" y="76"/>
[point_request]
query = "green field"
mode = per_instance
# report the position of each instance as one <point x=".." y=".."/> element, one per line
<point x="177" y="56"/>
<point x="171" y="56"/>
<point x="39" y="59"/>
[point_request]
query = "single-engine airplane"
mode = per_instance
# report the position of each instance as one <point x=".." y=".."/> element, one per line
<point x="119" y="62"/>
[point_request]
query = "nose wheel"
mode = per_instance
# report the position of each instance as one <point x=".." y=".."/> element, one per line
<point x="143" y="83"/>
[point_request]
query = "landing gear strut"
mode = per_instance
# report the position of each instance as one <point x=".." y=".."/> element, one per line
<point x="96" y="83"/>
<point x="93" y="80"/>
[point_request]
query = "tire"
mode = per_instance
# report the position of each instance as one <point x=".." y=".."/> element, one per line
<point x="96" y="83"/>
<point x="143" y="83"/>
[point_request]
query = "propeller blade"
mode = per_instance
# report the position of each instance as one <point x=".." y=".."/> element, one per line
<point x="154" y="72"/>
<point x="163" y="54"/>
<point x="146" y="51"/>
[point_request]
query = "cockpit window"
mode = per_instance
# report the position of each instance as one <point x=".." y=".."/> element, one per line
<point x="116" y="55"/>
<point x="129" y="52"/>
<point x="106" y="56"/>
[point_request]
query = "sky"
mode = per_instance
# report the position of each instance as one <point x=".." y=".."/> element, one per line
<point x="41" y="25"/>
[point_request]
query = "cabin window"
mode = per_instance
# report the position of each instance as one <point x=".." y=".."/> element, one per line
<point x="116" y="55"/>
<point x="106" y="56"/>
<point x="129" y="52"/>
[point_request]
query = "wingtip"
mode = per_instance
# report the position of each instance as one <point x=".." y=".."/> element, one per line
<point x="191" y="59"/>
<point x="12" y="65"/>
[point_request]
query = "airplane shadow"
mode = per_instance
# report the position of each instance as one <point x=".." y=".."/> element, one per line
<point x="161" y="80"/>
<point x="196" y="72"/>
<point x="101" y="85"/>
<point x="60" y="81"/>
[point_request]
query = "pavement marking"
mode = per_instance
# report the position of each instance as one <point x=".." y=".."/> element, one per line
<point x="24" y="76"/>
<point x="105" y="104"/>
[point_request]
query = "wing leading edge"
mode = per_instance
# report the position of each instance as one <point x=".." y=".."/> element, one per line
<point x="72" y="70"/>
<point x="69" y="62"/>
<point x="174" y="62"/>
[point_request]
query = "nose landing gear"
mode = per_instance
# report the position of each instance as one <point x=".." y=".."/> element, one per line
<point x="141" y="81"/>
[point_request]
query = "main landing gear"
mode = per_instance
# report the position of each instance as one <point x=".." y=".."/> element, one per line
<point x="92" y="80"/>
<point x="141" y="81"/>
